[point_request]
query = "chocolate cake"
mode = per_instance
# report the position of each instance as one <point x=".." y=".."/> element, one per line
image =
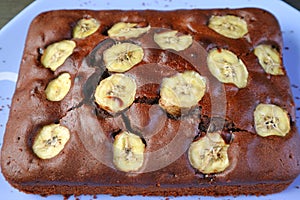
<point x="164" y="103"/>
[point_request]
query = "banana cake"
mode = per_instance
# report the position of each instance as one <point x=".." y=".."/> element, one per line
<point x="148" y="102"/>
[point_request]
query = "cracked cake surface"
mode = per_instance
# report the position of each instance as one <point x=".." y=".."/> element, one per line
<point x="189" y="102"/>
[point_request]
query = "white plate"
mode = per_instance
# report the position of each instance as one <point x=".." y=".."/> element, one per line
<point x="12" y="39"/>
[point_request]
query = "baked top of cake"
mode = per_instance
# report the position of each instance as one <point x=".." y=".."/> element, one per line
<point x="215" y="139"/>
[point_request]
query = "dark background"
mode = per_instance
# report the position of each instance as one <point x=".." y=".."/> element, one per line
<point x="8" y="9"/>
<point x="294" y="3"/>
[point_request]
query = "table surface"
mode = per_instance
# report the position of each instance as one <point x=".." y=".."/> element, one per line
<point x="9" y="9"/>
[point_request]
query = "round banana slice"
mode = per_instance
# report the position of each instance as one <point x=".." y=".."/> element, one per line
<point x="229" y="26"/>
<point x="269" y="59"/>
<point x="170" y="40"/>
<point x="128" y="152"/>
<point x="181" y="91"/>
<point x="122" y="57"/>
<point x="50" y="141"/>
<point x="115" y="93"/>
<point x="85" y="27"/>
<point x="270" y="119"/>
<point x="58" y="88"/>
<point x="209" y="154"/>
<point x="126" y="31"/>
<point x="57" y="53"/>
<point x="227" y="67"/>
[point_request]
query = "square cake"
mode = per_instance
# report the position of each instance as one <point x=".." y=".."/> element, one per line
<point x="148" y="102"/>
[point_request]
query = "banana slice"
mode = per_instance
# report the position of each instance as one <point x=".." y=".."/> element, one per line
<point x="181" y="92"/>
<point x="270" y="119"/>
<point x="269" y="59"/>
<point x="57" y="53"/>
<point x="115" y="93"/>
<point x="227" y="67"/>
<point x="58" y="88"/>
<point x="229" y="26"/>
<point x="122" y="57"/>
<point x="126" y="31"/>
<point x="170" y="40"/>
<point x="50" y="141"/>
<point x="128" y="152"/>
<point x="85" y="27"/>
<point x="209" y="154"/>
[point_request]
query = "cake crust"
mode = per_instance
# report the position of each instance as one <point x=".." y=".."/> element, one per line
<point x="258" y="165"/>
